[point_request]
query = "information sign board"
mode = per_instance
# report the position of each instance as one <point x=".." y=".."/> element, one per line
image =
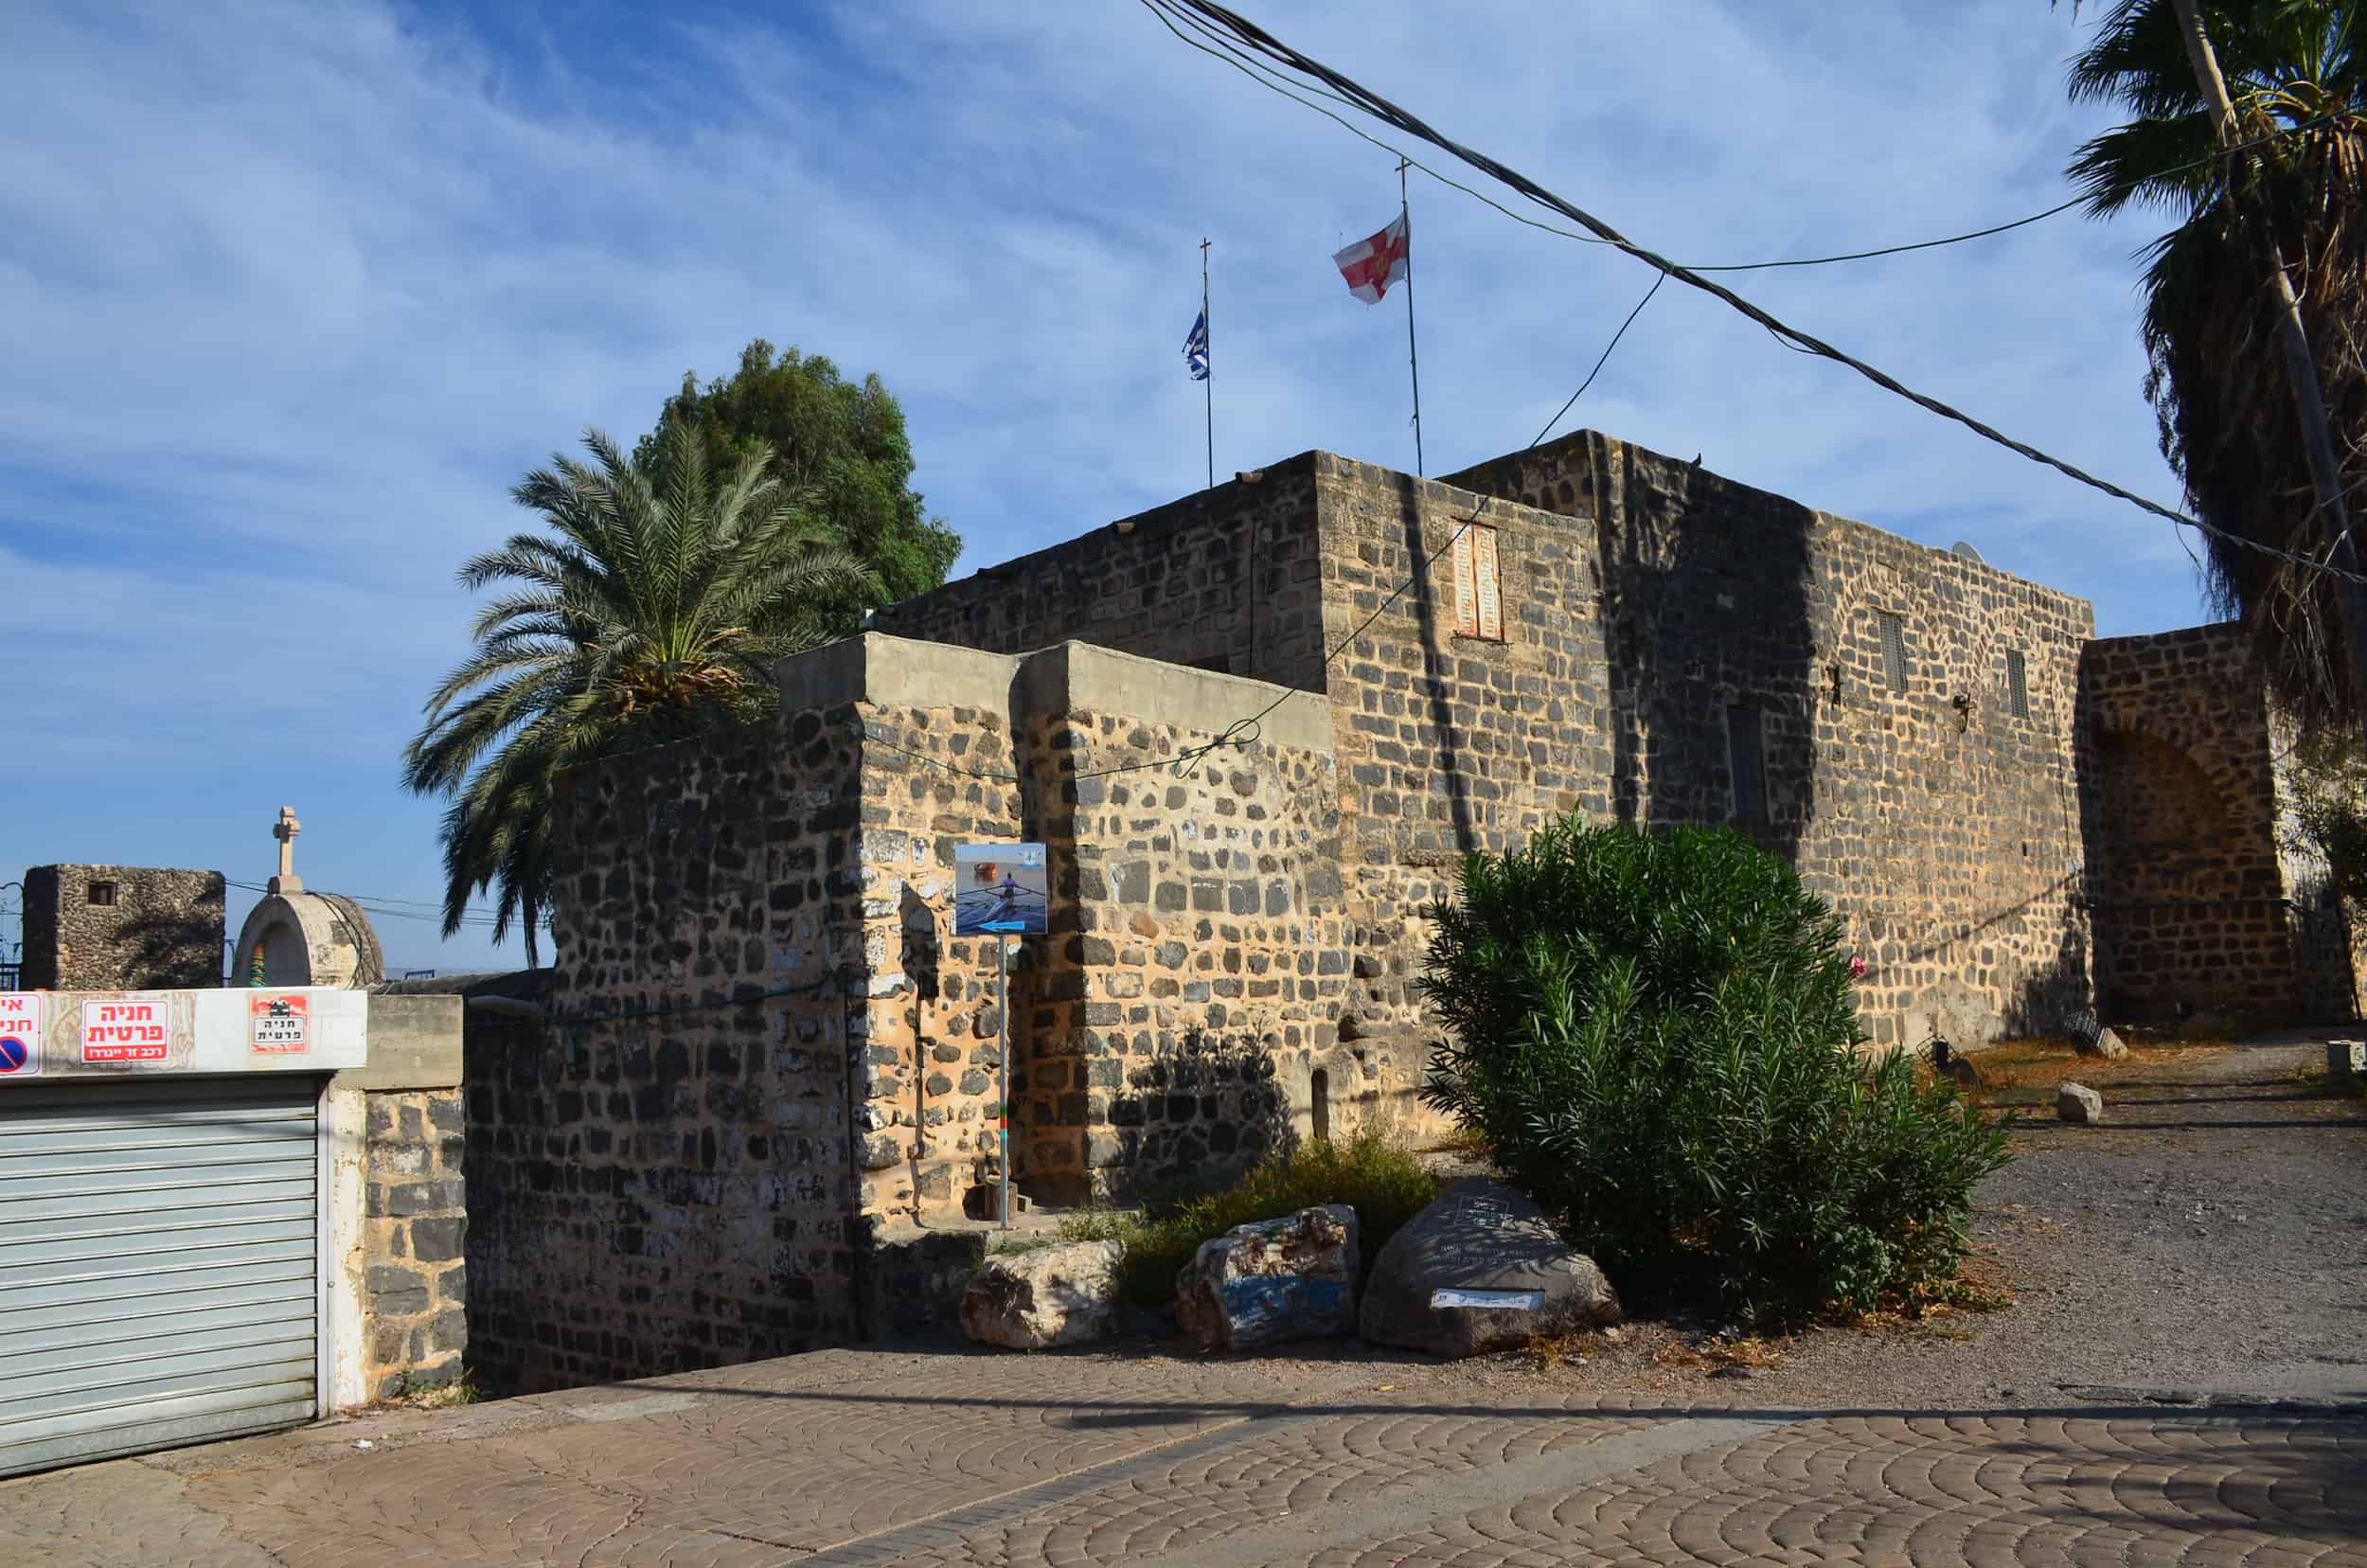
<point x="1001" y="889"/>
<point x="126" y="1031"/>
<point x="279" y="1025"/>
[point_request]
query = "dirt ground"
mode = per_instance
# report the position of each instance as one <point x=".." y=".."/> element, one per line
<point x="2206" y="1242"/>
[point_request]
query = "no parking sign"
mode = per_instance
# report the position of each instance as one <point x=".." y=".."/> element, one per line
<point x="19" y="1035"/>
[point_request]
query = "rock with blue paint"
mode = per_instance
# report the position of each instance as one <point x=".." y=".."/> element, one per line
<point x="1272" y="1280"/>
<point x="1480" y="1269"/>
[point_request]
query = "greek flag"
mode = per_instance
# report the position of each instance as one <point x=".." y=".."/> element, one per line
<point x="1196" y="348"/>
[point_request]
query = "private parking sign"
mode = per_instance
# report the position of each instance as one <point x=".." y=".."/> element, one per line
<point x="19" y="1035"/>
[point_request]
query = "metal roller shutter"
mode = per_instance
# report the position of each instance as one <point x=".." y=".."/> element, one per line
<point x="158" y="1274"/>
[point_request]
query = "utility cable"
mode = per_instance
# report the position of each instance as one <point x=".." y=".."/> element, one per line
<point x="375" y="905"/>
<point x="1604" y="360"/>
<point x="1381" y="108"/>
<point x="1275" y="81"/>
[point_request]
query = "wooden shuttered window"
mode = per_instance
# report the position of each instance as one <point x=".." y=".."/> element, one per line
<point x="1479" y="610"/>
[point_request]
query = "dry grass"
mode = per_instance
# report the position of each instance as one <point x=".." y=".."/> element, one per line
<point x="2016" y="1073"/>
<point x="1547" y="1351"/>
<point x="1759" y="1355"/>
<point x="411" y="1394"/>
<point x="1461" y="1140"/>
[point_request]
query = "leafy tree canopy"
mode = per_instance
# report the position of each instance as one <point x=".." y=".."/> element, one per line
<point x="840" y="441"/>
<point x="648" y="606"/>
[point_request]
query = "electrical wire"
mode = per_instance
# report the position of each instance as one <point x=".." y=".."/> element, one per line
<point x="1275" y="81"/>
<point x="1381" y="108"/>
<point x="1604" y="360"/>
<point x="375" y="905"/>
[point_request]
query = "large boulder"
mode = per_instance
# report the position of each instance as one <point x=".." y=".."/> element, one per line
<point x="1052" y="1295"/>
<point x="2078" y="1103"/>
<point x="1482" y="1269"/>
<point x="1272" y="1280"/>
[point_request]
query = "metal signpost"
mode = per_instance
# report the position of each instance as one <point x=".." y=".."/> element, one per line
<point x="1000" y="890"/>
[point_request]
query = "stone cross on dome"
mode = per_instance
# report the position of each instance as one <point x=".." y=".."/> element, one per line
<point x="285" y="830"/>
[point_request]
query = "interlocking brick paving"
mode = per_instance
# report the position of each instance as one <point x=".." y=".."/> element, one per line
<point x="848" y="1457"/>
<point x="2039" y="1438"/>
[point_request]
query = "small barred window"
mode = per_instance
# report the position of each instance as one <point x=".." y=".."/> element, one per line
<point x="1894" y="649"/>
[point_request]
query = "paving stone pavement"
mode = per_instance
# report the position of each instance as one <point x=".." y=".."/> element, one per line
<point x="1326" y="1462"/>
<point x="1331" y="1456"/>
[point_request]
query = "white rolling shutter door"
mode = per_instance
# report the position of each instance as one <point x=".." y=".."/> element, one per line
<point x="158" y="1278"/>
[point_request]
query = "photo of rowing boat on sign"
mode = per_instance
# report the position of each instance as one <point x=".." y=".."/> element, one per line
<point x="1002" y="889"/>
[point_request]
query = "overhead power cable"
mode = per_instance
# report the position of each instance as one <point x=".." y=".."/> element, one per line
<point x="1372" y="103"/>
<point x="377" y="905"/>
<point x="1606" y="357"/>
<point x="1275" y="81"/>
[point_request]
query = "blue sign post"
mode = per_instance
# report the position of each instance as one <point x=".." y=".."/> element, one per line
<point x="1002" y="890"/>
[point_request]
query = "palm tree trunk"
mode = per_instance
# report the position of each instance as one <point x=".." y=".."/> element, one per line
<point x="2301" y="368"/>
<point x="534" y="956"/>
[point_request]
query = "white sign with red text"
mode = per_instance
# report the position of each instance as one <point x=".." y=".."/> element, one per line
<point x="126" y="1030"/>
<point x="278" y="1024"/>
<point x="19" y="1035"/>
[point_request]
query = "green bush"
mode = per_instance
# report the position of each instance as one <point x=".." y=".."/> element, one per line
<point x="1386" y="1187"/>
<point x="1656" y="1034"/>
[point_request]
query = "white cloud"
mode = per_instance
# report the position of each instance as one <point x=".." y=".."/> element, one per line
<point x="290" y="293"/>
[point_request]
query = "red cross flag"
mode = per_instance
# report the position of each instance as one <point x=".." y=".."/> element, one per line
<point x="1371" y="265"/>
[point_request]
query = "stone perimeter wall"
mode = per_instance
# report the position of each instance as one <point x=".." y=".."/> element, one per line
<point x="662" y="1178"/>
<point x="1224" y="580"/>
<point x="414" y="1227"/>
<point x="768" y="1103"/>
<point x="1647" y="603"/>
<point x="163" y="932"/>
<point x="2201" y="907"/>
<point x="1171" y="1021"/>
<point x="1662" y="605"/>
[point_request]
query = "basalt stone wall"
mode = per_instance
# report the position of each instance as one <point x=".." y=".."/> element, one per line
<point x="665" y="1177"/>
<point x="1225" y="580"/>
<point x="2192" y="913"/>
<point x="931" y="1089"/>
<point x="1658" y="618"/>
<point x="121" y="928"/>
<point x="414" y="1234"/>
<point x="1186" y="1023"/>
<point x="1172" y="1022"/>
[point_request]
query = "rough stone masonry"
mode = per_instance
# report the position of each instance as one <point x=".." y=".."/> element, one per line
<point x="766" y="1114"/>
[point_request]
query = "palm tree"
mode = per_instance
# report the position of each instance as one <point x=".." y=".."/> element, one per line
<point x="2296" y="72"/>
<point x="649" y="609"/>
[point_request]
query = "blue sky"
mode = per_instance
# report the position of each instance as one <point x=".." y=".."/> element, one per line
<point x="289" y="294"/>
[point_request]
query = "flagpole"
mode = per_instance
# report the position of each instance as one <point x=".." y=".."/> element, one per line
<point x="1413" y="356"/>
<point x="1207" y="387"/>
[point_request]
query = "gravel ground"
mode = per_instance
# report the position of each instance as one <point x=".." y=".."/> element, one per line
<point x="2207" y="1243"/>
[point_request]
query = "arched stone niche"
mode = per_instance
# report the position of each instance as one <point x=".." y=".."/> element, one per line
<point x="309" y="939"/>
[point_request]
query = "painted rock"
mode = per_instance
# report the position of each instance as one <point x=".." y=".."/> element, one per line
<point x="1272" y="1280"/>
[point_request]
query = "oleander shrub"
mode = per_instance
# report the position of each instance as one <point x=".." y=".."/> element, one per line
<point x="1656" y="1033"/>
<point x="1385" y="1184"/>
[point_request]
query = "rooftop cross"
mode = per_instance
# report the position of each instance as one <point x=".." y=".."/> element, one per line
<point x="285" y="830"/>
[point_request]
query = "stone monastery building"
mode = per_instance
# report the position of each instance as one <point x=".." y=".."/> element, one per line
<point x="769" y="1090"/>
